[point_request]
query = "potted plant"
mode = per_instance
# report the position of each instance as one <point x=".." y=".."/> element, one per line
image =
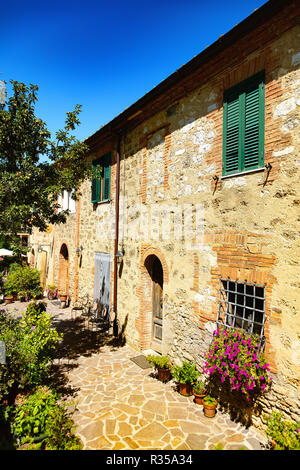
<point x="209" y="406"/>
<point x="186" y="375"/>
<point x="9" y="293"/>
<point x="63" y="300"/>
<point x="199" y="392"/>
<point x="51" y="292"/>
<point x="8" y="299"/>
<point x="163" y="366"/>
<point x="243" y="366"/>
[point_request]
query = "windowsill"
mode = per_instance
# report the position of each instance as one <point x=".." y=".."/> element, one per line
<point x="242" y="173"/>
<point x="105" y="201"/>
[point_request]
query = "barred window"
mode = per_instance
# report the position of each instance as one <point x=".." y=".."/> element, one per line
<point x="242" y="305"/>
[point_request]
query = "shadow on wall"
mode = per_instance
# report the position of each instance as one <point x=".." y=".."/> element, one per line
<point x="119" y="332"/>
<point x="233" y="403"/>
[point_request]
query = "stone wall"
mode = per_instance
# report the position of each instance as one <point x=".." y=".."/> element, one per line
<point x="174" y="204"/>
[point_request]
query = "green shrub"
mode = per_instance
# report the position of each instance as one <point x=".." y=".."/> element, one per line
<point x="185" y="374"/>
<point x="30" y="345"/>
<point x="11" y="373"/>
<point x="43" y="421"/>
<point x="159" y="362"/>
<point x="40" y="340"/>
<point x="284" y="433"/>
<point x="24" y="281"/>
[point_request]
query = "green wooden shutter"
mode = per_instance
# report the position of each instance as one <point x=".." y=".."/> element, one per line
<point x="96" y="188"/>
<point x="106" y="177"/>
<point x="243" y="126"/>
<point x="231" y="134"/>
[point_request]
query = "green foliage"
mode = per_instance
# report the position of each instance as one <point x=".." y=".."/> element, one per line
<point x="43" y="420"/>
<point x="30" y="345"/>
<point x="29" y="186"/>
<point x="185" y="374"/>
<point x="40" y="339"/>
<point x="11" y="373"/>
<point x="24" y="281"/>
<point x="199" y="387"/>
<point x="209" y="400"/>
<point x="285" y="433"/>
<point x="159" y="362"/>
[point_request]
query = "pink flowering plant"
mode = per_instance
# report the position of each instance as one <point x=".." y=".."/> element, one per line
<point x="234" y="357"/>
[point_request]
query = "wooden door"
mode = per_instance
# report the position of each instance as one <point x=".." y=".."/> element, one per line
<point x="157" y="301"/>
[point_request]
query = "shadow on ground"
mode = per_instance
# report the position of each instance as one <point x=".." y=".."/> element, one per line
<point x="79" y="340"/>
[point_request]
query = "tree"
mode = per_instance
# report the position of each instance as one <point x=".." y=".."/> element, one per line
<point x="29" y="186"/>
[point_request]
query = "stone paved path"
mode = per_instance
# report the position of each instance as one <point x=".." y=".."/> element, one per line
<point x="121" y="406"/>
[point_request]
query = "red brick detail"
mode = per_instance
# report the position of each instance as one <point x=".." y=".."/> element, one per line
<point x="63" y="282"/>
<point x="144" y="293"/>
<point x="147" y="250"/>
<point x="166" y="158"/>
<point x="144" y="176"/>
<point x="266" y="59"/>
<point x="167" y="146"/>
<point x="240" y="257"/>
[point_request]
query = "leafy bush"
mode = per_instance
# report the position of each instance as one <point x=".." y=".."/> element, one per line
<point x="233" y="356"/>
<point x="185" y="374"/>
<point x="24" y="281"/>
<point x="199" y="388"/>
<point x="30" y="344"/>
<point x="284" y="433"/>
<point x="159" y="362"/>
<point x="11" y="373"/>
<point x="40" y="340"/>
<point x="43" y="421"/>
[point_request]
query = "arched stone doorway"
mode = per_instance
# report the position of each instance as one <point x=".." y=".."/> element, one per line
<point x="155" y="281"/>
<point x="63" y="270"/>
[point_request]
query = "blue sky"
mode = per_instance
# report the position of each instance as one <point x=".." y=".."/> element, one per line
<point x="105" y="55"/>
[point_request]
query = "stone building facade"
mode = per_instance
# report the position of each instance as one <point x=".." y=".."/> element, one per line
<point x="198" y="225"/>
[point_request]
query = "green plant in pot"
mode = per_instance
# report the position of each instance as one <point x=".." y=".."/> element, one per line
<point x="199" y="392"/>
<point x="209" y="406"/>
<point x="186" y="375"/>
<point x="163" y="366"/>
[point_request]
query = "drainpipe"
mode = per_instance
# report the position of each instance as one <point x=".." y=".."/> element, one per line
<point x="115" y="304"/>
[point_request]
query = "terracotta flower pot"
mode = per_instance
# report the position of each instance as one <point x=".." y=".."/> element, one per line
<point x="186" y="389"/>
<point x="8" y="299"/>
<point x="209" y="410"/>
<point x="199" y="398"/>
<point x="63" y="300"/>
<point x="164" y="374"/>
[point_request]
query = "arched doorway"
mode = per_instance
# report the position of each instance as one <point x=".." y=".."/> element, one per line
<point x="63" y="270"/>
<point x="155" y="272"/>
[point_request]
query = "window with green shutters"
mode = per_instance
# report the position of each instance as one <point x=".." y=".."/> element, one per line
<point x="100" y="190"/>
<point x="243" y="126"/>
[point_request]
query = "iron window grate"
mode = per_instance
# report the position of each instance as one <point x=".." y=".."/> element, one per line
<point x="242" y="305"/>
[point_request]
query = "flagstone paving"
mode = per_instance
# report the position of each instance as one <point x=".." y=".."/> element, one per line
<point x="120" y="406"/>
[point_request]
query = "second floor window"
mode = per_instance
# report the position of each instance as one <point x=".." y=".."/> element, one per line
<point x="100" y="190"/>
<point x="66" y="202"/>
<point x="243" y="126"/>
